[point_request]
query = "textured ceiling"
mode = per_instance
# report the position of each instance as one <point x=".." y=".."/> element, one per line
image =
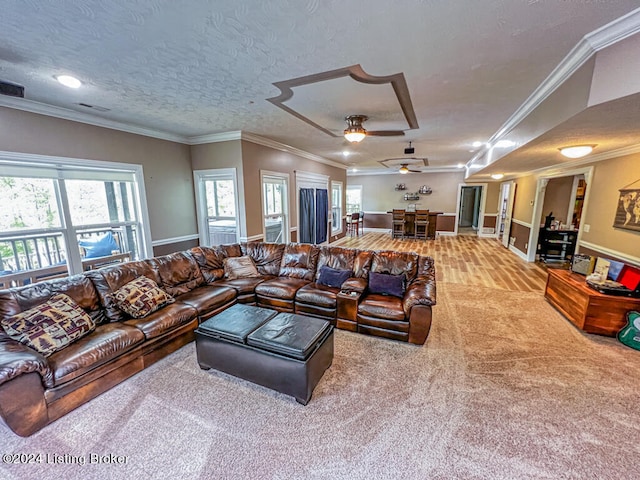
<point x="192" y="68"/>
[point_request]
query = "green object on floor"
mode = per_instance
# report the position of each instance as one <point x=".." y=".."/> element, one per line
<point x="630" y="333"/>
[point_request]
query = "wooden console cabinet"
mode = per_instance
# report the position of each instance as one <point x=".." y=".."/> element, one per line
<point x="586" y="308"/>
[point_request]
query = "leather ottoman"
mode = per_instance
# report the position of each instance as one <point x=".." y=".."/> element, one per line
<point x="285" y="352"/>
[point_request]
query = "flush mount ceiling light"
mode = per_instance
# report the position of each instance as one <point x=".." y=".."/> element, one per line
<point x="497" y="176"/>
<point x="68" y="81"/>
<point x="355" y="132"/>
<point x="577" y="151"/>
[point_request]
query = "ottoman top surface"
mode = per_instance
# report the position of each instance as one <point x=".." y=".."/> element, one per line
<point x="290" y="334"/>
<point x="236" y="322"/>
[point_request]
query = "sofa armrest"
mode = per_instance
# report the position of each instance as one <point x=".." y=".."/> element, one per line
<point x="421" y="291"/>
<point x="17" y="359"/>
<point x="354" y="284"/>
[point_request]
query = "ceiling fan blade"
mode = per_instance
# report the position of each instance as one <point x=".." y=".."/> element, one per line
<point x="385" y="133"/>
<point x="415" y="171"/>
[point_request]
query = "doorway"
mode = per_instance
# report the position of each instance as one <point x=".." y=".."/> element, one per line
<point x="507" y="198"/>
<point x="469" y="210"/>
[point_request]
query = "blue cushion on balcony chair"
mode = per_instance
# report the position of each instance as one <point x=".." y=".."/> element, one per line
<point x="101" y="247"/>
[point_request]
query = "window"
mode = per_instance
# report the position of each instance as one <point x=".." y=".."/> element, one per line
<point x="274" y="203"/>
<point x="217" y="206"/>
<point x="354" y="198"/>
<point x="336" y="207"/>
<point x="64" y="216"/>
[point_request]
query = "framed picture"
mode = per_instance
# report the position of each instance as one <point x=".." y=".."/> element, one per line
<point x="628" y="211"/>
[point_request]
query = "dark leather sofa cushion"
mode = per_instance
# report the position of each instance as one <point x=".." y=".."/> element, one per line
<point x="179" y="273"/>
<point x="266" y="256"/>
<point x="319" y="295"/>
<point x="243" y="286"/>
<point x="281" y="287"/>
<point x="77" y="287"/>
<point x="18" y="359"/>
<point x="210" y="260"/>
<point x="299" y="261"/>
<point x="165" y="319"/>
<point x="207" y="298"/>
<point x="382" y="306"/>
<point x="109" y="279"/>
<point x="97" y="348"/>
<point x="337" y="258"/>
<point x="396" y="263"/>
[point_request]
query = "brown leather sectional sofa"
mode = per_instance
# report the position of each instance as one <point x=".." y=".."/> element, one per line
<point x="36" y="390"/>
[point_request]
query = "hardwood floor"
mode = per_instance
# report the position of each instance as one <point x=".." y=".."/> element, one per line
<point x="466" y="260"/>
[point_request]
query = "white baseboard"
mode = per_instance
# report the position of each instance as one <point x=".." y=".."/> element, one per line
<point x="522" y="255"/>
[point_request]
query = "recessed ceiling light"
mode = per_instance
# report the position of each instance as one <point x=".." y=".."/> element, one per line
<point x="476" y="144"/>
<point x="346" y="154"/>
<point x="577" y="151"/>
<point x="68" y="81"/>
<point x="354" y="170"/>
<point x="505" y="144"/>
<point x="497" y="176"/>
<point x="461" y="165"/>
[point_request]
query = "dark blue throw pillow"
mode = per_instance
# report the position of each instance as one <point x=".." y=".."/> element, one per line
<point x="386" y="284"/>
<point x="101" y="247"/>
<point x="332" y="277"/>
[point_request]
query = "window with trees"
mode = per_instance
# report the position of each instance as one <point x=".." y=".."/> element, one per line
<point x="354" y="198"/>
<point x="69" y="216"/>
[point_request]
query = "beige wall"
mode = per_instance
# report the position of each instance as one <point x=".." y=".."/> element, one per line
<point x="492" y="198"/>
<point x="258" y="157"/>
<point x="609" y="176"/>
<point x="525" y="196"/>
<point x="167" y="165"/>
<point x="556" y="198"/>
<point x="379" y="194"/>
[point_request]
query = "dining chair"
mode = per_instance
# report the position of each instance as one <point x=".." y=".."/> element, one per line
<point x="421" y="225"/>
<point x="353" y="223"/>
<point x="398" y="223"/>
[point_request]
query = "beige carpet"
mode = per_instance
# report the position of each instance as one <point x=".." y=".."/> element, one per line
<point x="505" y="388"/>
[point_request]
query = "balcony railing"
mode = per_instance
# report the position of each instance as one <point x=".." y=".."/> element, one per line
<point x="36" y="257"/>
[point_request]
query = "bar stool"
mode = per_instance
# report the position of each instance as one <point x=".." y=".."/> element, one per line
<point x="421" y="225"/>
<point x="353" y="222"/>
<point x="398" y="222"/>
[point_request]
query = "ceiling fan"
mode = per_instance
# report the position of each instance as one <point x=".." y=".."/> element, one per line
<point x="405" y="169"/>
<point x="355" y="132"/>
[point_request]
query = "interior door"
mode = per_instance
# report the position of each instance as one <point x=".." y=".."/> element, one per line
<point x="508" y="199"/>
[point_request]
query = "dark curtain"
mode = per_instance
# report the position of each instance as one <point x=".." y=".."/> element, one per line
<point x="322" y="212"/>
<point x="306" y="228"/>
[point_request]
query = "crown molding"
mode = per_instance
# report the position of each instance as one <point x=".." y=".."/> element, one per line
<point x="214" y="138"/>
<point x="267" y="142"/>
<point x="605" y="36"/>
<point x="408" y="175"/>
<point x="68" y="114"/>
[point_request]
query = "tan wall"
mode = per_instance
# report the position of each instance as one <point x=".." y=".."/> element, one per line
<point x="167" y="165"/>
<point x="609" y="177"/>
<point x="556" y="198"/>
<point x="525" y="196"/>
<point x="258" y="157"/>
<point x="493" y="198"/>
<point x="379" y="194"/>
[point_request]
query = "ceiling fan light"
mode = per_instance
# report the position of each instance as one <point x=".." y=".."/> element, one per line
<point x="576" y="151"/>
<point x="355" y="134"/>
<point x="403" y="169"/>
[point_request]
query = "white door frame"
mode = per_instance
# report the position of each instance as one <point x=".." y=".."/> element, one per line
<point x="285" y="203"/>
<point x="483" y="200"/>
<point x="509" y="212"/>
<point x="199" y="176"/>
<point x="539" y="203"/>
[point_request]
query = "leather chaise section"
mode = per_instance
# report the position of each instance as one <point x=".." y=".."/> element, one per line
<point x="165" y="319"/>
<point x="105" y="343"/>
<point x="207" y="298"/>
<point x="382" y="306"/>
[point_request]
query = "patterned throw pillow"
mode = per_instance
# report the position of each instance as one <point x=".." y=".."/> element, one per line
<point x="239" y="267"/>
<point x="50" y="326"/>
<point x="140" y="297"/>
